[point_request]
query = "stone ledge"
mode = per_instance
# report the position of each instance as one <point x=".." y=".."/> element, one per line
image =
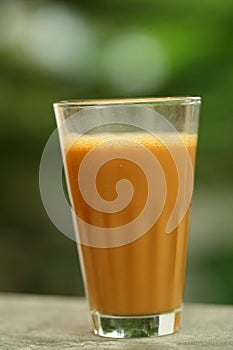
<point x="49" y="322"/>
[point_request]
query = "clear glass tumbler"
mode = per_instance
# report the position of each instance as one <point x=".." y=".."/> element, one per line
<point x="129" y="167"/>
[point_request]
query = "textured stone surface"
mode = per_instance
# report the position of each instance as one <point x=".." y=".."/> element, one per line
<point x="44" y="322"/>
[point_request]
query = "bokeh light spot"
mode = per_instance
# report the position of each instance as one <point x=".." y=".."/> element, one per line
<point x="136" y="63"/>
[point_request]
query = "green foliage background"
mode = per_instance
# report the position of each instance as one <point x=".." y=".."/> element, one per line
<point x="195" y="57"/>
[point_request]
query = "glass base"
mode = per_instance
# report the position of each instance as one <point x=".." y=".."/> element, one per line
<point x="135" y="326"/>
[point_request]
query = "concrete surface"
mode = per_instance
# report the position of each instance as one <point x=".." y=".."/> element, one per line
<point x="48" y="322"/>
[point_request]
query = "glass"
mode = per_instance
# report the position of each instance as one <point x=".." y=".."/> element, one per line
<point x="129" y="170"/>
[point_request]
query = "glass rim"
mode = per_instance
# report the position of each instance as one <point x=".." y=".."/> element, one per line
<point x="184" y="100"/>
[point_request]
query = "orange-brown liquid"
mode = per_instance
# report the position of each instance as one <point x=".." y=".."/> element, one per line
<point x="145" y="276"/>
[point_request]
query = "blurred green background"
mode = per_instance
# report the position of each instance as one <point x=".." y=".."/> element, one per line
<point x="53" y="50"/>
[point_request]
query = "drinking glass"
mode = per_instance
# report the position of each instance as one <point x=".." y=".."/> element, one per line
<point x="129" y="166"/>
